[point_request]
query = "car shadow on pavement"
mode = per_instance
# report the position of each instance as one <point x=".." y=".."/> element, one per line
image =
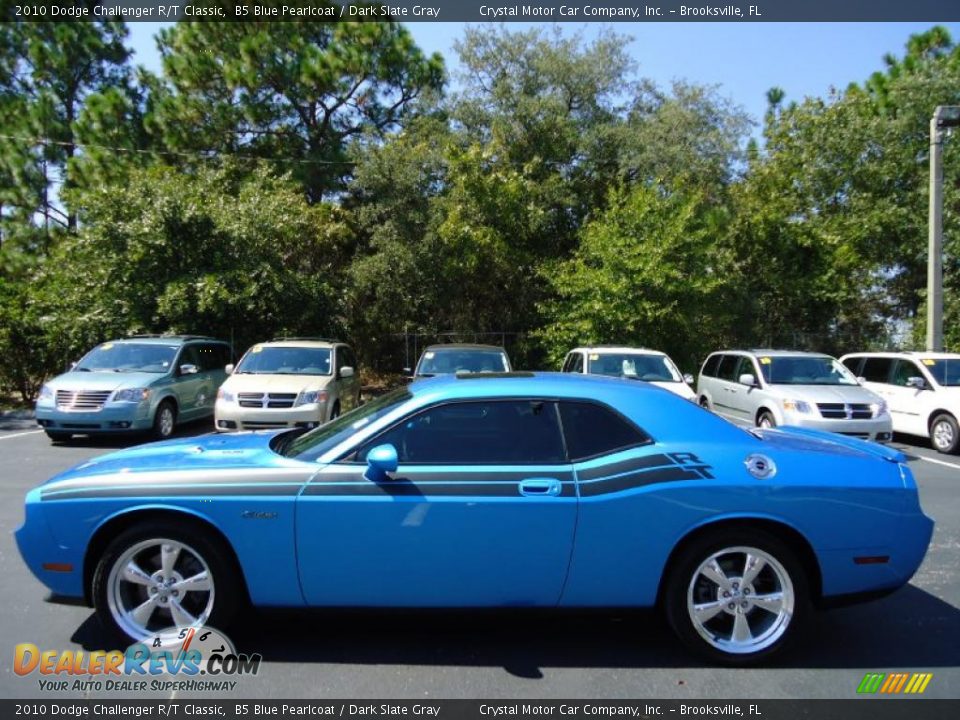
<point x="910" y="628"/>
<point x="193" y="428"/>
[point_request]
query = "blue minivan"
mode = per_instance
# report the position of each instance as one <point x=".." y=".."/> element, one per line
<point x="142" y="383"/>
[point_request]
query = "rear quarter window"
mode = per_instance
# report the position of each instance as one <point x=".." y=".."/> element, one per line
<point x="591" y="430"/>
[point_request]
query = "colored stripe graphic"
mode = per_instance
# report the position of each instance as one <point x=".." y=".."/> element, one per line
<point x="894" y="683"/>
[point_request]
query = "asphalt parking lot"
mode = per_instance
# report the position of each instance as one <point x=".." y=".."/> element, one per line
<point x="519" y="654"/>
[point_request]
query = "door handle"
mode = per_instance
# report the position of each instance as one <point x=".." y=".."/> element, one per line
<point x="549" y="487"/>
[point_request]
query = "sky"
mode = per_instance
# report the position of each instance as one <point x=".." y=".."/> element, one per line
<point x="743" y="59"/>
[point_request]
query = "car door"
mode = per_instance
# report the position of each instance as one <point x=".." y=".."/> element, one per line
<point x="189" y="386"/>
<point x="907" y="404"/>
<point x="349" y="387"/>
<point x="729" y="396"/>
<point x="480" y="512"/>
<point x="876" y="373"/>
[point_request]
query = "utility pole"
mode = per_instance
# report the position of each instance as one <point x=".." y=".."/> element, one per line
<point x="944" y="117"/>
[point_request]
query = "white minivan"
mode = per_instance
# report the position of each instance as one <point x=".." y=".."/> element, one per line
<point x="651" y="366"/>
<point x="922" y="390"/>
<point x="787" y="387"/>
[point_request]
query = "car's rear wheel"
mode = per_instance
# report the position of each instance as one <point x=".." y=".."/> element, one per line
<point x="56" y="436"/>
<point x="737" y="596"/>
<point x="944" y="434"/>
<point x="766" y="420"/>
<point x="165" y="420"/>
<point x="156" y="576"/>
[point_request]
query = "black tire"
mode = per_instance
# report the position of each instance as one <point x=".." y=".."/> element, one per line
<point x="335" y="411"/>
<point x="704" y="403"/>
<point x="765" y="419"/>
<point x="684" y="582"/>
<point x="228" y="592"/>
<point x="945" y="434"/>
<point x="56" y="436"/>
<point x="162" y="430"/>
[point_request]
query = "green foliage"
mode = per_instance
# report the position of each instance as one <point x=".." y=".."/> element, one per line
<point x="241" y="256"/>
<point x="646" y="273"/>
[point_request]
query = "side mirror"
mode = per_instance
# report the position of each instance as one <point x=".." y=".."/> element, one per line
<point x="229" y="369"/>
<point x="748" y="379"/>
<point x="188" y="369"/>
<point x="380" y="460"/>
<point x="688" y="378"/>
<point x="71" y="366"/>
<point x="916" y="382"/>
<point x="346" y="371"/>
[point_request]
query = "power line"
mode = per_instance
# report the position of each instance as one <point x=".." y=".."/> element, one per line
<point x="213" y="155"/>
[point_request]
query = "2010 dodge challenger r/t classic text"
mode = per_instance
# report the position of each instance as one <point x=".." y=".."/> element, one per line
<point x="489" y="490"/>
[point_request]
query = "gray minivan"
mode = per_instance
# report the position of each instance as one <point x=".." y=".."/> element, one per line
<point x="785" y="387"/>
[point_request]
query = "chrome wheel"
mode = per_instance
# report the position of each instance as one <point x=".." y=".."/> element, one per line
<point x="943" y="435"/>
<point x="165" y="421"/>
<point x="766" y="421"/>
<point x="157" y="583"/>
<point x="740" y="600"/>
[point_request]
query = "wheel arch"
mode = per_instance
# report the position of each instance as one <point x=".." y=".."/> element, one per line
<point x="784" y="532"/>
<point x="934" y="414"/>
<point x="764" y="409"/>
<point x="126" y="519"/>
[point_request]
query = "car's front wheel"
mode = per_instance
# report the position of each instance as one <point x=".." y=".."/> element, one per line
<point x="766" y="420"/>
<point x="165" y="420"/>
<point x="736" y="596"/>
<point x="944" y="434"/>
<point x="155" y="576"/>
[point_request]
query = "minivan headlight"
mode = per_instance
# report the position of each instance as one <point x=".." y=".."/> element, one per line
<point x="311" y="397"/>
<point x="879" y="408"/>
<point x="131" y="395"/>
<point x="225" y="395"/>
<point x="799" y="406"/>
<point x="46" y="393"/>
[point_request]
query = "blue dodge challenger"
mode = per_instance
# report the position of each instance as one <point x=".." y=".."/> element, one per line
<point x="499" y="490"/>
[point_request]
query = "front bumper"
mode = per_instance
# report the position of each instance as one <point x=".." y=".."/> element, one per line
<point x="111" y="418"/>
<point x="230" y="416"/>
<point x="58" y="567"/>
<point x="878" y="429"/>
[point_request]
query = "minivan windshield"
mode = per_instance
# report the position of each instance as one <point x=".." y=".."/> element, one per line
<point x="309" y="446"/>
<point x="804" y="370"/>
<point x="652" y="368"/>
<point x="285" y="360"/>
<point x="454" y="360"/>
<point x="128" y="357"/>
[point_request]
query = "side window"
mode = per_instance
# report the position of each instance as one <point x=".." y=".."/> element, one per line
<point x="341" y="358"/>
<point x="904" y="370"/>
<point x="591" y="430"/>
<point x="853" y="365"/>
<point x="189" y="356"/>
<point x="349" y="359"/>
<point x="710" y="366"/>
<point x="567" y="363"/>
<point x="488" y="432"/>
<point x="729" y="368"/>
<point x="877" y="369"/>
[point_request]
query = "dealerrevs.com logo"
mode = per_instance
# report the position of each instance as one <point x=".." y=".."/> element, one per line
<point x="187" y="659"/>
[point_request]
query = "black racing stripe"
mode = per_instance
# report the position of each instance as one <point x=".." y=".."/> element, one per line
<point x="635" y="480"/>
<point x="625" y="466"/>
<point x="462" y="484"/>
<point x="174" y="491"/>
<point x="450" y="477"/>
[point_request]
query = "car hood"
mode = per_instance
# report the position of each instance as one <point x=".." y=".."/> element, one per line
<point x="677" y="388"/>
<point x="78" y="380"/>
<point x="236" y="450"/>
<point x="245" y="382"/>
<point x="827" y="393"/>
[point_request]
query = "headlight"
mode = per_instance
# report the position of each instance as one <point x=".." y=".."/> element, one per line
<point x="879" y="408"/>
<point x="799" y="406"/>
<point x="46" y="393"/>
<point x="225" y="395"/>
<point x="312" y="397"/>
<point x="131" y="395"/>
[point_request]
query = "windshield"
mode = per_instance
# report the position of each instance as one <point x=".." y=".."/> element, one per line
<point x="652" y="368"/>
<point x="805" y="370"/>
<point x="945" y="372"/>
<point x="443" y="362"/>
<point x="311" y="445"/>
<point x="128" y="357"/>
<point x="261" y="360"/>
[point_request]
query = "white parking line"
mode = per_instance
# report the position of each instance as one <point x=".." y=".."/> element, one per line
<point x="940" y="462"/>
<point x="31" y="432"/>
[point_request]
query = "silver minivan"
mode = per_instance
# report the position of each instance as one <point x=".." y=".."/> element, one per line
<point x="784" y="387"/>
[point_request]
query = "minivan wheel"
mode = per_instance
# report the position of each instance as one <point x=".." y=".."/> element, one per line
<point x="157" y="575"/>
<point x="335" y="412"/>
<point x="737" y="596"/>
<point x="945" y="434"/>
<point x="704" y="403"/>
<point x="765" y="420"/>
<point x="165" y="420"/>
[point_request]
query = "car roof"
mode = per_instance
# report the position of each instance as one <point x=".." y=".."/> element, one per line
<point x="932" y="354"/>
<point x="462" y="346"/>
<point x="527" y="384"/>
<point x="773" y="353"/>
<point x="601" y="349"/>
<point x="300" y="342"/>
<point x="166" y="339"/>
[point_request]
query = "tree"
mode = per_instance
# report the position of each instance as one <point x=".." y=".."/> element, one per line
<point x="299" y="93"/>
